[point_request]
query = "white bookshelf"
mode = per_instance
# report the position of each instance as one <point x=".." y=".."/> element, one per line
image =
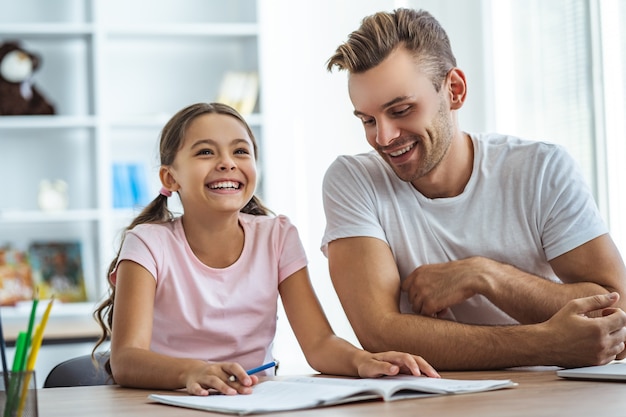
<point x="115" y="71"/>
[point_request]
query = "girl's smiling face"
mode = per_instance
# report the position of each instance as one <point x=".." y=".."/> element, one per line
<point x="215" y="166"/>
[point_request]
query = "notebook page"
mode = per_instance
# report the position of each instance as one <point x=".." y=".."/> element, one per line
<point x="268" y="396"/>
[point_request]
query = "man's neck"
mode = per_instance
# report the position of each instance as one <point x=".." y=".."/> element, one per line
<point x="449" y="178"/>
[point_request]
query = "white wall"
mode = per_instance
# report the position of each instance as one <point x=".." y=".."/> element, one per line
<point x="465" y="22"/>
<point x="308" y="118"/>
<point x="307" y="123"/>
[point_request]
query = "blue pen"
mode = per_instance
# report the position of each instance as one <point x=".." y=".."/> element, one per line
<point x="262" y="368"/>
<point x="256" y="370"/>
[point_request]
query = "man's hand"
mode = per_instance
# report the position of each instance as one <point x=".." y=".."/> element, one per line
<point x="580" y="340"/>
<point x="435" y="287"/>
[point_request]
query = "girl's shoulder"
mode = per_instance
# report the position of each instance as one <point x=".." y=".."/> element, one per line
<point x="263" y="219"/>
<point x="263" y="222"/>
<point x="152" y="230"/>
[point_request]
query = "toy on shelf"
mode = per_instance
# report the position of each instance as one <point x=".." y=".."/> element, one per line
<point x="52" y="195"/>
<point x="18" y="95"/>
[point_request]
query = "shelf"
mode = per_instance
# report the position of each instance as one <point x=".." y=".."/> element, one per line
<point x="159" y="120"/>
<point x="211" y="29"/>
<point x="47" y="29"/>
<point x="116" y="72"/>
<point x="46" y="122"/>
<point x="68" y="323"/>
<point x="59" y="310"/>
<point x="36" y="216"/>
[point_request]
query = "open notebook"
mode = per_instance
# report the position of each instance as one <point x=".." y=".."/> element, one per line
<point x="614" y="371"/>
<point x="309" y="392"/>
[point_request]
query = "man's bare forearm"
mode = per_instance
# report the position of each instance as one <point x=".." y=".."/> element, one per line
<point x="529" y="298"/>
<point x="569" y="338"/>
<point x="449" y="345"/>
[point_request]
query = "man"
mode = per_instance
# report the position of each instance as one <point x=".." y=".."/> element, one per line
<point x="474" y="251"/>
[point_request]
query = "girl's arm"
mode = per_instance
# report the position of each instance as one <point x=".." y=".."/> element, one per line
<point x="133" y="363"/>
<point x="329" y="354"/>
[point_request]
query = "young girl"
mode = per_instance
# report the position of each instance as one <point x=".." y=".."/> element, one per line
<point x="193" y="299"/>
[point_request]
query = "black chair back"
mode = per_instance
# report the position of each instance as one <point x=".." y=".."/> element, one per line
<point x="79" y="371"/>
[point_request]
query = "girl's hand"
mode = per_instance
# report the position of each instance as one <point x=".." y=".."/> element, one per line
<point x="373" y="365"/>
<point x="218" y="376"/>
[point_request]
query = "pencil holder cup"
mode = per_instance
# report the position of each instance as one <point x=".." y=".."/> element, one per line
<point x="18" y="394"/>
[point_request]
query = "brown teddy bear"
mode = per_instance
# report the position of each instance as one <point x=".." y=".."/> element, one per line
<point x="18" y="96"/>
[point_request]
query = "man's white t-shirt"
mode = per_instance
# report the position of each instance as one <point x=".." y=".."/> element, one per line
<point x="525" y="203"/>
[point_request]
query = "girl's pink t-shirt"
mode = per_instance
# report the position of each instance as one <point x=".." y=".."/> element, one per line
<point x="211" y="314"/>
